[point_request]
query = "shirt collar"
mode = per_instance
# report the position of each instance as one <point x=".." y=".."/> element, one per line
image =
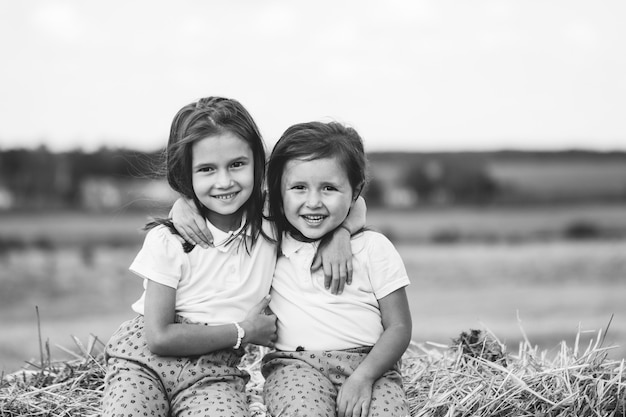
<point x="289" y="245"/>
<point x="223" y="240"/>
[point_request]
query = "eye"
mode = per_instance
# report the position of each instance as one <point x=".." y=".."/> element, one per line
<point x="238" y="164"/>
<point x="330" y="188"/>
<point x="205" y="169"/>
<point x="297" y="187"/>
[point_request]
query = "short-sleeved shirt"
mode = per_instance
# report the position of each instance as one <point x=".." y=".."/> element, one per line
<point x="312" y="318"/>
<point x="215" y="286"/>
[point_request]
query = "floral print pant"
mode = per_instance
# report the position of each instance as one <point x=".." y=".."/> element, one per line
<point x="139" y="383"/>
<point x="306" y="383"/>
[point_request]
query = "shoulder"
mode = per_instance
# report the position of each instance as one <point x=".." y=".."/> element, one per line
<point x="386" y="268"/>
<point x="372" y="242"/>
<point x="160" y="238"/>
<point x="161" y="231"/>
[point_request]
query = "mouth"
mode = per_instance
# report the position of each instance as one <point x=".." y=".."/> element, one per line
<point x="313" y="219"/>
<point x="225" y="197"/>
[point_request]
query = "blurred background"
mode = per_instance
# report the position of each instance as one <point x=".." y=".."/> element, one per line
<point x="495" y="132"/>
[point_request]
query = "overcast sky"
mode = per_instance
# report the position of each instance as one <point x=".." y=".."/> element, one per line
<point x="408" y="75"/>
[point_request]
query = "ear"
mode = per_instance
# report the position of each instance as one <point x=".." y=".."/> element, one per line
<point x="356" y="193"/>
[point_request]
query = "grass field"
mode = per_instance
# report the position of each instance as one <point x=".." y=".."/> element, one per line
<point x="481" y="223"/>
<point x="77" y="275"/>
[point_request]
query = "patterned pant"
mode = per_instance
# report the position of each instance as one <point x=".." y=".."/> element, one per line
<point x="306" y="384"/>
<point x="139" y="383"/>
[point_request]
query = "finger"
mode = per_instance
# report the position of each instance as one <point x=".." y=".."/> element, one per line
<point x="193" y="237"/>
<point x="349" y="270"/>
<point x="349" y="407"/>
<point x="335" y="281"/>
<point x="327" y="279"/>
<point x="342" y="279"/>
<point x="186" y="232"/>
<point x="206" y="234"/>
<point x="183" y="234"/>
<point x="365" y="408"/>
<point x="339" y="404"/>
<point x="203" y="233"/>
<point x="262" y="305"/>
<point x="340" y="409"/>
<point x="328" y="275"/>
<point x="317" y="262"/>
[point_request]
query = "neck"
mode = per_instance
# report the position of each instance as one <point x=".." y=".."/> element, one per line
<point x="224" y="222"/>
<point x="295" y="233"/>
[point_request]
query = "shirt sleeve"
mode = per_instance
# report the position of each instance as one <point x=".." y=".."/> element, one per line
<point x="161" y="258"/>
<point x="386" y="268"/>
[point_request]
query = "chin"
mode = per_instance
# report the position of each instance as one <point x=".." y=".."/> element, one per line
<point x="314" y="234"/>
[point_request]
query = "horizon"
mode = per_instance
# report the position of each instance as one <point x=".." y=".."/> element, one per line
<point x="579" y="150"/>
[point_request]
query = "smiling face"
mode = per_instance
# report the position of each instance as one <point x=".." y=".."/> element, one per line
<point x="316" y="195"/>
<point x="223" y="177"/>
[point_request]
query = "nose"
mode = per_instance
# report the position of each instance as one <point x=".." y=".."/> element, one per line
<point x="313" y="199"/>
<point x="224" y="179"/>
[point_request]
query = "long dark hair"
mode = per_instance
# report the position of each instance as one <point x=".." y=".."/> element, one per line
<point x="207" y="117"/>
<point x="307" y="142"/>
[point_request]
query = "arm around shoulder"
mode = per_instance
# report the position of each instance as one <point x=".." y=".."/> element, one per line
<point x="190" y="223"/>
<point x="357" y="217"/>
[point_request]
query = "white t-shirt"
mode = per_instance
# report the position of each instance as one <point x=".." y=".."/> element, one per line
<point x="214" y="286"/>
<point x="309" y="316"/>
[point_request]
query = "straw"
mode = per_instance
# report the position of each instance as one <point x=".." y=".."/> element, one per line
<point x="473" y="376"/>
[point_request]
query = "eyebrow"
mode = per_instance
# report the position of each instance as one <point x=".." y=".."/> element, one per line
<point x="238" y="158"/>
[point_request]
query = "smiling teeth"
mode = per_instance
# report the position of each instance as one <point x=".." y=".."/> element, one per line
<point x="314" y="219"/>
<point x="224" y="196"/>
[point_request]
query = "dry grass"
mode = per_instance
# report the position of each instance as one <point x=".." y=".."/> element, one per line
<point x="475" y="376"/>
<point x="480" y="379"/>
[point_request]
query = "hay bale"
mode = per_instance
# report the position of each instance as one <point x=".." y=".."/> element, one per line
<point x="475" y="376"/>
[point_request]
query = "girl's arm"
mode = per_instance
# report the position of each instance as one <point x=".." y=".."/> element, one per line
<point x="355" y="395"/>
<point x="165" y="337"/>
<point x="190" y="224"/>
<point x="335" y="257"/>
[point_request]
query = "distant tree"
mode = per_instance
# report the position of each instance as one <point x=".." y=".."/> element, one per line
<point x="31" y="176"/>
<point x="39" y="178"/>
<point x="451" y="180"/>
<point x="373" y="193"/>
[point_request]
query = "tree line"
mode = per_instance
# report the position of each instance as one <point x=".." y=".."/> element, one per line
<point x="39" y="178"/>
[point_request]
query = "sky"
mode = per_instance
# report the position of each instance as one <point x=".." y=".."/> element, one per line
<point x="409" y="75"/>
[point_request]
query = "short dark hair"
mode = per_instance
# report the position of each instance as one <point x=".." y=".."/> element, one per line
<point x="310" y="141"/>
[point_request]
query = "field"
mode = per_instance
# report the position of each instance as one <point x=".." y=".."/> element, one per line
<point x="469" y="269"/>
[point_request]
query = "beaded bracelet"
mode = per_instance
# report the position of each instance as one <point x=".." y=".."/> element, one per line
<point x="240" y="335"/>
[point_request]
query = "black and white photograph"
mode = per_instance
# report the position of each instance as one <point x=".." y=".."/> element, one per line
<point x="324" y="209"/>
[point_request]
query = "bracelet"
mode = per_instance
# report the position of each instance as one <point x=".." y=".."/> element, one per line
<point x="241" y="333"/>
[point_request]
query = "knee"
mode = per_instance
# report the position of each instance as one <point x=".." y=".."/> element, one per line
<point x="299" y="391"/>
<point x="388" y="399"/>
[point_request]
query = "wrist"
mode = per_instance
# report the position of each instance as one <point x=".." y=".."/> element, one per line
<point x="344" y="227"/>
<point x="362" y="375"/>
<point x="247" y="330"/>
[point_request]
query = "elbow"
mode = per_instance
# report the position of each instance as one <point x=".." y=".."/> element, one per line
<point x="157" y="343"/>
<point x="405" y="332"/>
<point x="408" y="334"/>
